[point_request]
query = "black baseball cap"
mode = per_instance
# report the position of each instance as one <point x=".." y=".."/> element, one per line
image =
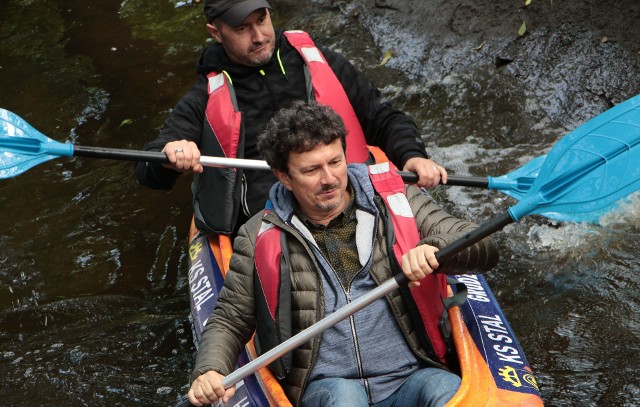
<point x="232" y="12"/>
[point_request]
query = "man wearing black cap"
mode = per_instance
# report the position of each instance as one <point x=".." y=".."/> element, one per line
<point x="249" y="74"/>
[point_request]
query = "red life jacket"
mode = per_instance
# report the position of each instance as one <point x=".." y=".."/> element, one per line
<point x="222" y="115"/>
<point x="428" y="297"/>
<point x="329" y="91"/>
<point x="273" y="283"/>
<point x="225" y="120"/>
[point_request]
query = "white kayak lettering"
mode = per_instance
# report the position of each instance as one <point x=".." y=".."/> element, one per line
<point x="199" y="285"/>
<point x="474" y="288"/>
<point x="196" y="269"/>
<point x="496" y="331"/>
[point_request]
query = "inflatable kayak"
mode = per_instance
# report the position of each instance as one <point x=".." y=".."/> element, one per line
<point x="494" y="369"/>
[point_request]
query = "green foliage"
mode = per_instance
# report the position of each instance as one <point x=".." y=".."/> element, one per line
<point x="387" y="56"/>
<point x="126" y="122"/>
<point x="523" y="29"/>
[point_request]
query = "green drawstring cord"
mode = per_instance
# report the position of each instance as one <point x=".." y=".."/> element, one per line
<point x="228" y="77"/>
<point x="280" y="62"/>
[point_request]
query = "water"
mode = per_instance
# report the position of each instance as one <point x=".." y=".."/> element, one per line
<point x="93" y="304"/>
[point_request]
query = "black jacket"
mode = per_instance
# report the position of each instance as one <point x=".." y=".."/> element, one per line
<point x="260" y="93"/>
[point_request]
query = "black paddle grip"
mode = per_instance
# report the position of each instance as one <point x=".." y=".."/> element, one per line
<point x="454" y="180"/>
<point x="120" y="154"/>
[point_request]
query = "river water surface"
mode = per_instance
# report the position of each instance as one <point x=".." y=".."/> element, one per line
<point x="94" y="303"/>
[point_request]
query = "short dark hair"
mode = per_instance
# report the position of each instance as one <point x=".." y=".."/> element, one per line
<point x="299" y="128"/>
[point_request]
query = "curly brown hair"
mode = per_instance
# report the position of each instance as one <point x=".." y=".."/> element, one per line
<point x="299" y="128"/>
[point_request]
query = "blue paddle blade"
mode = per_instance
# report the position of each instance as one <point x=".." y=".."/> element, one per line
<point x="517" y="183"/>
<point x="23" y="147"/>
<point x="590" y="169"/>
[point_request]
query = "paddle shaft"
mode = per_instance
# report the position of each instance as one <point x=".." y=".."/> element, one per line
<point x="223" y="162"/>
<point x="310" y="333"/>
<point x="119" y="154"/>
<point x="306" y="335"/>
<point x="160" y="157"/>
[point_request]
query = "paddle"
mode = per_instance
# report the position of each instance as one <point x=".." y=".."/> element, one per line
<point x="586" y="171"/>
<point x="28" y="148"/>
<point x="23" y="147"/>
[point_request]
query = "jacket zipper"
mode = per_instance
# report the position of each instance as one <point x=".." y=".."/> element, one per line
<point x="243" y="196"/>
<point x="351" y="322"/>
<point x="356" y="345"/>
<point x="354" y="336"/>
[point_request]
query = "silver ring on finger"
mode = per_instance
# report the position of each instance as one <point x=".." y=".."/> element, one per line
<point x="178" y="150"/>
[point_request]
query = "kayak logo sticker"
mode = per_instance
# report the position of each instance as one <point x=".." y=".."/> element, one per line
<point x="195" y="249"/>
<point x="517" y="376"/>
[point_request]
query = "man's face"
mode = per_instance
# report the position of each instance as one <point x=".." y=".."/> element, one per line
<point x="251" y="43"/>
<point x="318" y="180"/>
